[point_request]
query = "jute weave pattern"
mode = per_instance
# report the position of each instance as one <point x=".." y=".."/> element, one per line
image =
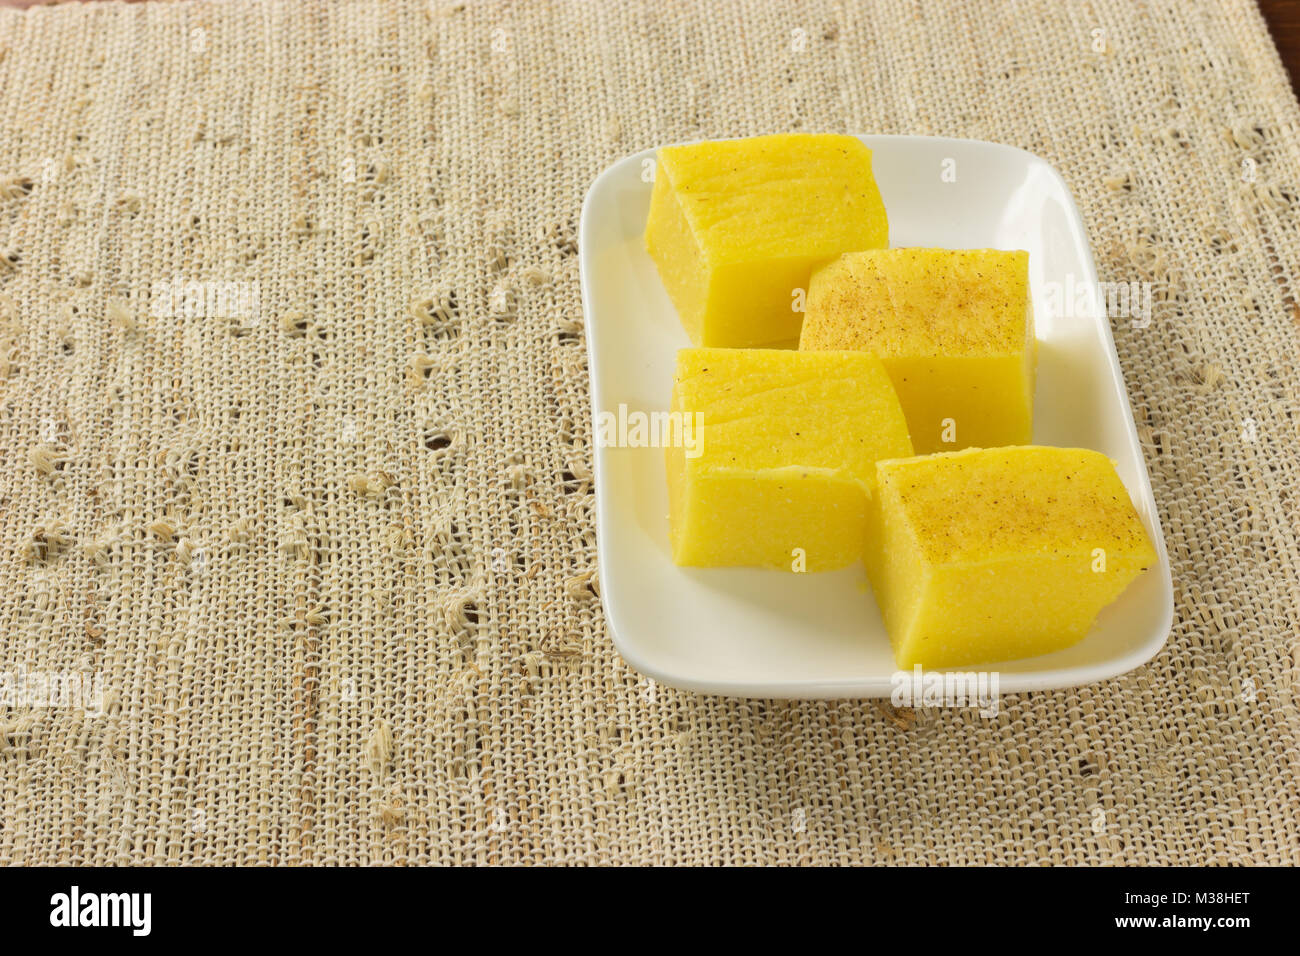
<point x="295" y="441"/>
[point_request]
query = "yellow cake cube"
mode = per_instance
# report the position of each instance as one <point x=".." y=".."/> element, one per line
<point x="986" y="555"/>
<point x="736" y="228"/>
<point x="954" y="329"/>
<point x="782" y="463"/>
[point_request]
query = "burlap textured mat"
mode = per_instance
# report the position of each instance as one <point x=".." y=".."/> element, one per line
<point x="294" y="436"/>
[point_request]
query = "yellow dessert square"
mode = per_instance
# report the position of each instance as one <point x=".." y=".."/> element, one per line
<point x="992" y="554"/>
<point x="954" y="329"/>
<point x="782" y="464"/>
<point x="736" y="227"/>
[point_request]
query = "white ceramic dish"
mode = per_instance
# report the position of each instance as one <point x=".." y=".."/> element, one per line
<point x="760" y="633"/>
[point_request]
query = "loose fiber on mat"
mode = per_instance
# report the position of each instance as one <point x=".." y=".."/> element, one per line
<point x="295" y="454"/>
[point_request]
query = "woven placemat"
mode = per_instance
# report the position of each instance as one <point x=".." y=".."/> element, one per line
<point x="296" y="531"/>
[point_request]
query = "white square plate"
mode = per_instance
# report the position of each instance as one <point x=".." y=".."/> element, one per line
<point x="757" y="633"/>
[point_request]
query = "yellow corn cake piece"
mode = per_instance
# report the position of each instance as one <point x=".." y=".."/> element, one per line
<point x="992" y="554"/>
<point x="954" y="329"/>
<point x="736" y="227"/>
<point x="783" y="460"/>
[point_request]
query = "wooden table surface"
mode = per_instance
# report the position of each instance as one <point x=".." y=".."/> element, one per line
<point x="1283" y="18"/>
